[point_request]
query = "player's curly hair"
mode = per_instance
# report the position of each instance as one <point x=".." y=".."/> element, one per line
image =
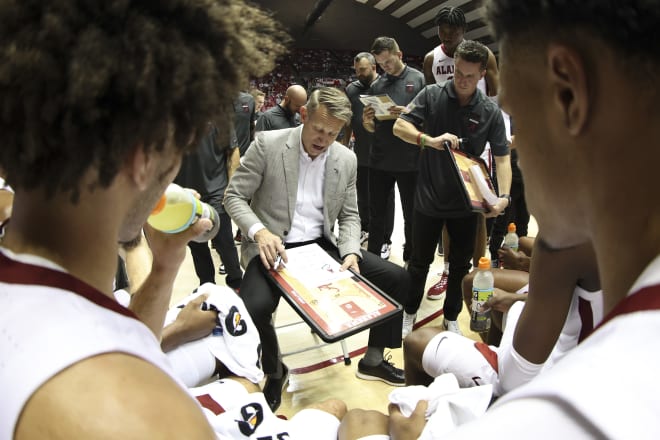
<point x="84" y="82"/>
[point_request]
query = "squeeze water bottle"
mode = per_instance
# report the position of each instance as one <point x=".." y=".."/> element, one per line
<point x="482" y="290"/>
<point x="177" y="209"/>
<point x="511" y="238"/>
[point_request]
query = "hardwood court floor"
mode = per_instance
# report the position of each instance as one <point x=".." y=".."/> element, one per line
<point x="320" y="373"/>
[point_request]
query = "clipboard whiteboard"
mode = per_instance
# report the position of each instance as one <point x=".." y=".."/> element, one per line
<point x="474" y="193"/>
<point x="336" y="304"/>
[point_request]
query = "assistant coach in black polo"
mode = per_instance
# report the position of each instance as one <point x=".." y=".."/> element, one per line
<point x="444" y="113"/>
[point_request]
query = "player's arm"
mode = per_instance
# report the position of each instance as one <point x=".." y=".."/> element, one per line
<point x="192" y="323"/>
<point x="492" y="75"/>
<point x="151" y="301"/>
<point x="552" y="279"/>
<point x="428" y="68"/>
<point x="130" y="398"/>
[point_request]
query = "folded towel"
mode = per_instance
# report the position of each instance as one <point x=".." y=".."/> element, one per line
<point x="448" y="405"/>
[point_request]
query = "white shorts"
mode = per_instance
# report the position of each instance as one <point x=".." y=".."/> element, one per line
<point x="235" y="413"/>
<point x="473" y="363"/>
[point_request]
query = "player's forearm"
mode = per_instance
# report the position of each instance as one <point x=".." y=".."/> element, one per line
<point x="151" y="301"/>
<point x="551" y="290"/>
<point x="172" y="337"/>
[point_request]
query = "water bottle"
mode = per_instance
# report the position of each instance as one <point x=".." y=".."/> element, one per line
<point x="511" y="238"/>
<point x="482" y="290"/>
<point x="177" y="209"/>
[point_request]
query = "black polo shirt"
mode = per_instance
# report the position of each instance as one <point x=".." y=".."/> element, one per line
<point x="276" y="118"/>
<point x="244" y="117"/>
<point x="437" y="110"/>
<point x="205" y="169"/>
<point x="388" y="152"/>
<point x="363" y="138"/>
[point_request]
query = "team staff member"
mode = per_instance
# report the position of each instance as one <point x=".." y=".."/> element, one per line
<point x="392" y="160"/>
<point x="365" y="69"/>
<point x="290" y="189"/>
<point x="446" y="112"/>
<point x="286" y="114"/>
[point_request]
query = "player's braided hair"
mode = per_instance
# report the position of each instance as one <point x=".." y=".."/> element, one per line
<point x="451" y="16"/>
<point x="84" y="82"/>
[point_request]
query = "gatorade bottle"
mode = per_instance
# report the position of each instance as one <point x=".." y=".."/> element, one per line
<point x="177" y="209"/>
<point x="511" y="238"/>
<point x="482" y="289"/>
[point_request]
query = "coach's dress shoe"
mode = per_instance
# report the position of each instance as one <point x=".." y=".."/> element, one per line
<point x="274" y="388"/>
<point x="385" y="372"/>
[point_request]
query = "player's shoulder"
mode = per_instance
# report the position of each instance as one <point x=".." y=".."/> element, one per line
<point x="121" y="384"/>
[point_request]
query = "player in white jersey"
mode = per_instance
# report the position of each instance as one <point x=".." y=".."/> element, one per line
<point x="565" y="282"/>
<point x="584" y="98"/>
<point x="439" y="62"/>
<point x="94" y="130"/>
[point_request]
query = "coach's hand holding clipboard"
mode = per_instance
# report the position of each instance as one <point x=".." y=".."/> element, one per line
<point x="271" y="248"/>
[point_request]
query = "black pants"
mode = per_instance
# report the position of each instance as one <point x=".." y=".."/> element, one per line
<point x="223" y="242"/>
<point x="381" y="183"/>
<point x="362" y="186"/>
<point x="261" y="298"/>
<point x="426" y="231"/>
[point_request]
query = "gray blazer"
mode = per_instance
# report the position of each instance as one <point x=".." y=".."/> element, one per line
<point x="265" y="185"/>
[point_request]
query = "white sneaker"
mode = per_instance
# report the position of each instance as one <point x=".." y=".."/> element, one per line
<point x="408" y="322"/>
<point x="385" y="251"/>
<point x="452" y="326"/>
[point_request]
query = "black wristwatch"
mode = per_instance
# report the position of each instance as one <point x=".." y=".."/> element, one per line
<point x="507" y="197"/>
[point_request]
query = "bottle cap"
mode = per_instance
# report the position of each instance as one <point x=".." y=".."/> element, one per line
<point x="484" y="263"/>
<point x="160" y="205"/>
<point x="511" y="227"/>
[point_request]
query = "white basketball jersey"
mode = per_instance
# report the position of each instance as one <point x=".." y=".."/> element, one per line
<point x="443" y="68"/>
<point x="50" y="321"/>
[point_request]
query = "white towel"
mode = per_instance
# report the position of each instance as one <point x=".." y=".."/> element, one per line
<point x="449" y="405"/>
<point x="235" y="340"/>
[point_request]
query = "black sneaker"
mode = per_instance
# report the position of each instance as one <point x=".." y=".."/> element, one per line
<point x="222" y="270"/>
<point x="385" y="371"/>
<point x="273" y="389"/>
